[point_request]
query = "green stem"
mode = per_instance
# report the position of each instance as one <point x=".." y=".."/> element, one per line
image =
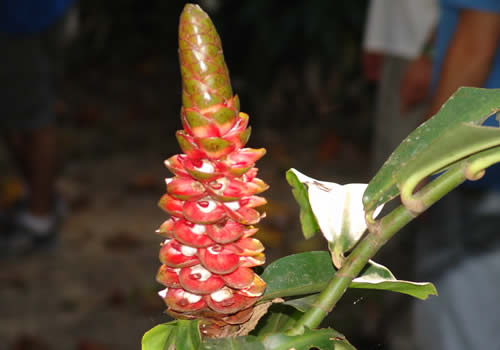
<point x="379" y="233"/>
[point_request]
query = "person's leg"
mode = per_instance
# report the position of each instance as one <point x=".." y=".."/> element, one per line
<point x="29" y="126"/>
<point x="459" y="249"/>
<point x="465" y="313"/>
<point x="36" y="153"/>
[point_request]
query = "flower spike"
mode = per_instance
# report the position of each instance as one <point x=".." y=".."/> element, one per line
<point x="209" y="252"/>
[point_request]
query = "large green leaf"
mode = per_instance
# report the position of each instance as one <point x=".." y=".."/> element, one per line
<point x="279" y="318"/>
<point x="452" y="134"/>
<point x="310" y="272"/>
<point x="182" y="334"/>
<point x="377" y="276"/>
<point x="302" y="304"/>
<point x="309" y="224"/>
<point x="238" y="343"/>
<point x="298" y="274"/>
<point x="323" y="339"/>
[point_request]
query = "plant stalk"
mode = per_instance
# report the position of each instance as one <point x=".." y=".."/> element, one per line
<point x="380" y="232"/>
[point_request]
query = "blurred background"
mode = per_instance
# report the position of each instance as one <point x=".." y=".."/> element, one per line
<point x="296" y="67"/>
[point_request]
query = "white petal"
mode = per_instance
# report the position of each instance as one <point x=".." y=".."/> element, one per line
<point x="233" y="205"/>
<point x="204" y="273"/>
<point x="338" y="208"/>
<point x="163" y="293"/>
<point x="207" y="209"/>
<point x="191" y="298"/>
<point x="188" y="251"/>
<point x="206" y="167"/>
<point x="221" y="295"/>
<point x="198" y="229"/>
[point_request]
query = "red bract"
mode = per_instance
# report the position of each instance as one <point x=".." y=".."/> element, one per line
<point x="227" y="301"/>
<point x="168" y="276"/>
<point x="228" y="232"/>
<point x="185" y="188"/>
<point x="174" y="254"/>
<point x="240" y="278"/>
<point x="182" y="301"/>
<point x="198" y="280"/>
<point x="209" y="252"/>
<point x="194" y="235"/>
<point x="219" y="259"/>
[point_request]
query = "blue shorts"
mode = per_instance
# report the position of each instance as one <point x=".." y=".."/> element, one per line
<point x="28" y="67"/>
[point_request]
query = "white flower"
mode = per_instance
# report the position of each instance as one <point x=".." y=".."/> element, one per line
<point x="338" y="210"/>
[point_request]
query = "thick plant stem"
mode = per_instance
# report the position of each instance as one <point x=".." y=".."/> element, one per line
<point x="380" y="232"/>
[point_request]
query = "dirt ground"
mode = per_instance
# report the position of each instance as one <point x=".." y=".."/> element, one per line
<point x="96" y="289"/>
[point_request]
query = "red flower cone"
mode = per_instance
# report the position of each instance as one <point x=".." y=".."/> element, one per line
<point x="209" y="250"/>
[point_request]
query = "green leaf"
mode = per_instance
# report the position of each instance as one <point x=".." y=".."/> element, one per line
<point x="452" y="134"/>
<point x="302" y="304"/>
<point x="238" y="343"/>
<point x="279" y="318"/>
<point x="310" y="272"/>
<point x="156" y="338"/>
<point x="376" y="276"/>
<point x="188" y="335"/>
<point x="182" y="334"/>
<point x="309" y="224"/>
<point x="298" y="274"/>
<point x="323" y="339"/>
